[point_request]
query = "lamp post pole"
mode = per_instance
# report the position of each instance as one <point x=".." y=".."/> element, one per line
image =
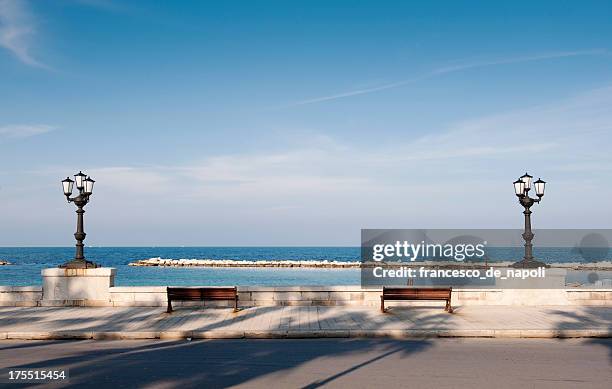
<point x="85" y="186"/>
<point x="521" y="189"/>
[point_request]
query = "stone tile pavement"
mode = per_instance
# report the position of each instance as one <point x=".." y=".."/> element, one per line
<point x="303" y="322"/>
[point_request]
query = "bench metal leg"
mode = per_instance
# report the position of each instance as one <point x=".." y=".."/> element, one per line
<point x="448" y="307"/>
<point x="382" y="304"/>
<point x="236" y="304"/>
<point x="169" y="310"/>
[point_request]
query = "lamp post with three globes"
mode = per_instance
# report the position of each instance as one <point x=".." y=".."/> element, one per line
<point x="522" y="186"/>
<point x="84" y="185"/>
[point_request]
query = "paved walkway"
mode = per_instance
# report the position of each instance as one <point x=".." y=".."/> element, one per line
<point x="303" y="322"/>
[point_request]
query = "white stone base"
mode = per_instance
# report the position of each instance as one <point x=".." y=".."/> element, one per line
<point x="77" y="286"/>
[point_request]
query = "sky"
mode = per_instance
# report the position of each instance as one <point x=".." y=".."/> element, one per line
<point x="300" y="123"/>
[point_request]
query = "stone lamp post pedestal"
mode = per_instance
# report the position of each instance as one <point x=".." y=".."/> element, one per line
<point x="77" y="287"/>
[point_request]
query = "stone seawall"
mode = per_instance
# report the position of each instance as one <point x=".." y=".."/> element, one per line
<point x="326" y="264"/>
<point x="155" y="296"/>
<point x="20" y="296"/>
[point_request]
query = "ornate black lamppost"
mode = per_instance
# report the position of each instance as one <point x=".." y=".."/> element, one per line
<point x="521" y="189"/>
<point x="85" y="186"/>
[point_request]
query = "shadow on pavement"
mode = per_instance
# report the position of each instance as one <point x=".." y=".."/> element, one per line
<point x="595" y="317"/>
<point x="213" y="363"/>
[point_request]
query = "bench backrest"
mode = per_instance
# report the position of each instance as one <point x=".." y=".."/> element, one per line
<point x="417" y="293"/>
<point x="194" y="294"/>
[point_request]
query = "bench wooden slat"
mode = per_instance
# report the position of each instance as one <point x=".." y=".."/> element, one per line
<point x="201" y="294"/>
<point x="415" y="293"/>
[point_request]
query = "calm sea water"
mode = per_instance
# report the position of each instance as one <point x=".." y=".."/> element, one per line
<point x="28" y="262"/>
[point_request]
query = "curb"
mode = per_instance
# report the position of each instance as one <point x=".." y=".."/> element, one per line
<point x="310" y="334"/>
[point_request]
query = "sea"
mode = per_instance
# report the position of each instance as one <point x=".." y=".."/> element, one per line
<point x="27" y="263"/>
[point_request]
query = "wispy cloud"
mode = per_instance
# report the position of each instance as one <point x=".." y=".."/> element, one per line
<point x="530" y="58"/>
<point x="544" y="136"/>
<point x="17" y="27"/>
<point x="357" y="92"/>
<point x="459" y="66"/>
<point x="331" y="188"/>
<point x="571" y="131"/>
<point x="24" y="130"/>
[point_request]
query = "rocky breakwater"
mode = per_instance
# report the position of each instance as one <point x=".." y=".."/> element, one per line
<point x="323" y="264"/>
<point x="245" y="263"/>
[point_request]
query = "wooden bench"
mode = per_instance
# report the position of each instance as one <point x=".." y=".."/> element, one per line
<point x="434" y="294"/>
<point x="201" y="294"/>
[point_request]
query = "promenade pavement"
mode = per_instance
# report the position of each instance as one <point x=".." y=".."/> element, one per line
<point x="303" y="322"/>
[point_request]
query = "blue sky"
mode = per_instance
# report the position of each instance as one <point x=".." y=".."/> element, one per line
<point x="299" y="123"/>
